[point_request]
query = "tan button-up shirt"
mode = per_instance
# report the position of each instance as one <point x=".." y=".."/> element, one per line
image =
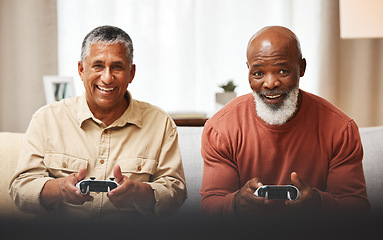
<point x="65" y="136"/>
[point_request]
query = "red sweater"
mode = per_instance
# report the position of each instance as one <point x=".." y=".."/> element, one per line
<point x="321" y="144"/>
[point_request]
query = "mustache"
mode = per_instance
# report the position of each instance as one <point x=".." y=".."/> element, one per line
<point x="273" y="92"/>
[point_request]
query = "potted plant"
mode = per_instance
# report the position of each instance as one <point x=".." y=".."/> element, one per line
<point x="227" y="95"/>
<point x="229" y="86"/>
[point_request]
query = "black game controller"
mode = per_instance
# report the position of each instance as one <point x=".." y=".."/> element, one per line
<point x="278" y="192"/>
<point x="93" y="185"/>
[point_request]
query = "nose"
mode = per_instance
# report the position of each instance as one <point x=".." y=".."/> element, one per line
<point x="107" y="76"/>
<point x="271" y="82"/>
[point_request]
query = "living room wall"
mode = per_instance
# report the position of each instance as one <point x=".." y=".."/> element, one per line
<point x="350" y="71"/>
<point x="28" y="50"/>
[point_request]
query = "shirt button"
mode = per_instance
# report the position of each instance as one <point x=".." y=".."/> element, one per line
<point x="64" y="165"/>
<point x="102" y="161"/>
<point x="139" y="168"/>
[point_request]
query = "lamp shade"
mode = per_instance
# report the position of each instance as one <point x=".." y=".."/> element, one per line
<point x="361" y="18"/>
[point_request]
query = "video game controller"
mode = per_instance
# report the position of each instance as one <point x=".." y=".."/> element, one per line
<point x="92" y="185"/>
<point x="278" y="192"/>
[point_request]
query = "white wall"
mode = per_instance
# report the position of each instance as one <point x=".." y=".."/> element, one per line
<point x="184" y="49"/>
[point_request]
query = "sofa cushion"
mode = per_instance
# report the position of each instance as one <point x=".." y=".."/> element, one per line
<point x="9" y="155"/>
<point x="189" y="139"/>
<point x="372" y="140"/>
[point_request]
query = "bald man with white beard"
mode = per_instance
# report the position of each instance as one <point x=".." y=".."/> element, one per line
<point x="280" y="135"/>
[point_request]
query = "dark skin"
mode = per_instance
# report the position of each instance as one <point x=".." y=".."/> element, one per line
<point x="275" y="65"/>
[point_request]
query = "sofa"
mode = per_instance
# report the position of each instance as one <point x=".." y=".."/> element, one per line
<point x="190" y="145"/>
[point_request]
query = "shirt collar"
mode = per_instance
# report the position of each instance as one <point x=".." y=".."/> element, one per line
<point x="132" y="115"/>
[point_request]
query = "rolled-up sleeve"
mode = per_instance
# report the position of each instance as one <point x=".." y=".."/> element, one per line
<point x="31" y="174"/>
<point x="168" y="181"/>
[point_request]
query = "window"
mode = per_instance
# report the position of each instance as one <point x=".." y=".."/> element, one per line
<point x="184" y="49"/>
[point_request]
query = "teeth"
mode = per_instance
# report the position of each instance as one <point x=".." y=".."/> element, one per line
<point x="105" y="89"/>
<point x="273" y="97"/>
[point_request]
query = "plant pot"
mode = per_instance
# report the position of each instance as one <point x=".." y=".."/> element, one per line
<point x="221" y="99"/>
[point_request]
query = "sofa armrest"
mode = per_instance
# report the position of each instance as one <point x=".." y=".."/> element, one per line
<point x="9" y="155"/>
<point x="372" y="141"/>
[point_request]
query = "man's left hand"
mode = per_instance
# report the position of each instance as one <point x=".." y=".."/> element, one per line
<point x="310" y="199"/>
<point x="130" y="192"/>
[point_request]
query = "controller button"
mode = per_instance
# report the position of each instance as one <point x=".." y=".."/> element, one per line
<point x="92" y="178"/>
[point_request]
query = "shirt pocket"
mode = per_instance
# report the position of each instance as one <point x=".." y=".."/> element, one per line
<point x="62" y="165"/>
<point x="139" y="169"/>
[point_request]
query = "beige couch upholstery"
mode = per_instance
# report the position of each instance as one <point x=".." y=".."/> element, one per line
<point x="190" y="144"/>
<point x="9" y="154"/>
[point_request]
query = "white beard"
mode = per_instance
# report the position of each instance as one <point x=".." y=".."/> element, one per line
<point x="277" y="115"/>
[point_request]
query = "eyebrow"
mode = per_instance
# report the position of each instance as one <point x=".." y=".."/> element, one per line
<point x="281" y="64"/>
<point x="115" y="62"/>
<point x="118" y="62"/>
<point x="257" y="65"/>
<point x="97" y="61"/>
<point x="274" y="64"/>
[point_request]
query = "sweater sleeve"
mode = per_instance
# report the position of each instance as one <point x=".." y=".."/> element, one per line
<point x="346" y="187"/>
<point x="220" y="178"/>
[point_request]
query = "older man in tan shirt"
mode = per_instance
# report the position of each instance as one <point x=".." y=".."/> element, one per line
<point x="104" y="133"/>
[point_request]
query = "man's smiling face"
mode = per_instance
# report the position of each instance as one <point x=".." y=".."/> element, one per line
<point x="275" y="66"/>
<point x="106" y="74"/>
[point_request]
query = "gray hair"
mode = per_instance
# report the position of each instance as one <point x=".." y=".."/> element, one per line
<point x="108" y="35"/>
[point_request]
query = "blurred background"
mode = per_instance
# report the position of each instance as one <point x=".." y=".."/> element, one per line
<point x="185" y="49"/>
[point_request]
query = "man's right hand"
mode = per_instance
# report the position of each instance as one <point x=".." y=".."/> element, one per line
<point x="246" y="203"/>
<point x="64" y="189"/>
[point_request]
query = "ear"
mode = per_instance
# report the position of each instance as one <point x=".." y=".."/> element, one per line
<point x="247" y="64"/>
<point x="302" y="67"/>
<point x="132" y="72"/>
<point x="80" y="68"/>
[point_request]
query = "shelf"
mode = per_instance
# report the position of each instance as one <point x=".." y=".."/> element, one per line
<point x="190" y="122"/>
